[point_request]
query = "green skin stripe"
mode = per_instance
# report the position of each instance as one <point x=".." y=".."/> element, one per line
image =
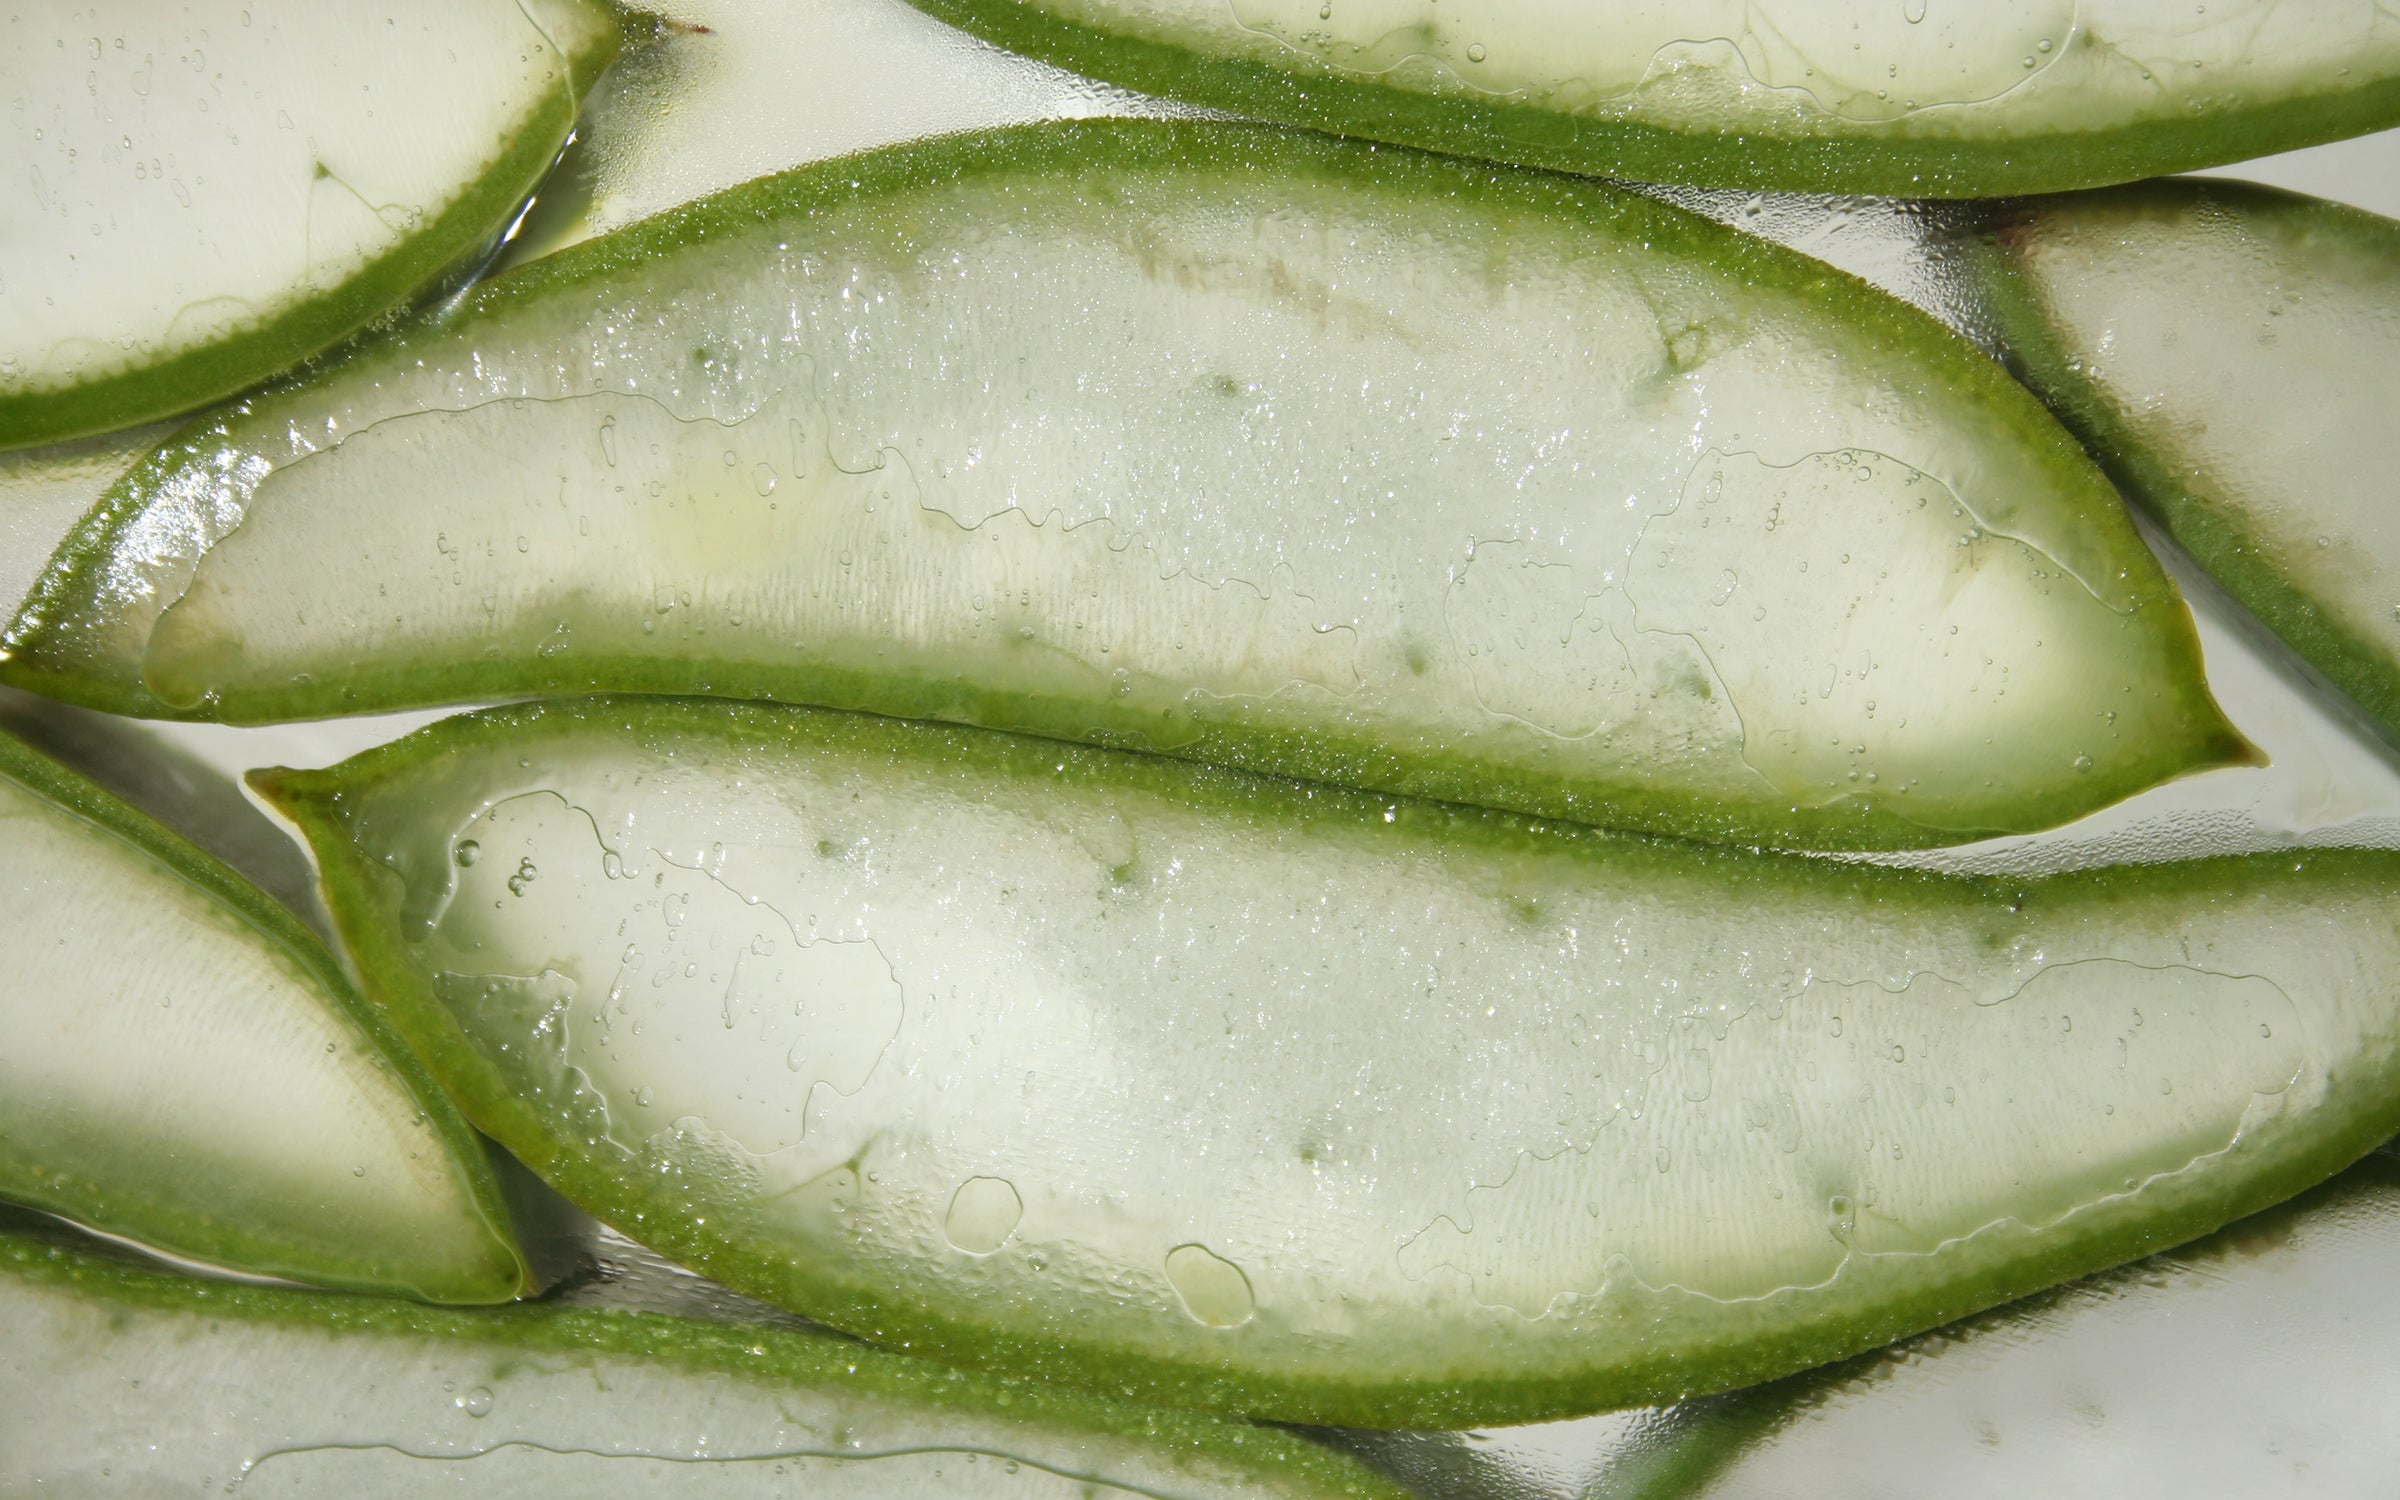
<point x="226" y="1244"/>
<point x="362" y="895"/>
<point x="1534" y="137"/>
<point x="78" y="583"/>
<point x="781" y="1356"/>
<point x="2182" y="499"/>
<point x="212" y="372"/>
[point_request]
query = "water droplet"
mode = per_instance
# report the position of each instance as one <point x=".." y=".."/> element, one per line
<point x="983" y="1214"/>
<point x="762" y="479"/>
<point x="1475" y="52"/>
<point x="1699" y="1075"/>
<point x="1840" y="1216"/>
<point x="608" y="440"/>
<point x="467" y="853"/>
<point x="476" y="1402"/>
<point x="2083" y="762"/>
<point x="358" y="1171"/>
<point x="1213" y="1289"/>
<point x="1912" y="11"/>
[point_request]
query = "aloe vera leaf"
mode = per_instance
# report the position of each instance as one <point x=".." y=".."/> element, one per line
<point x="215" y="192"/>
<point x="1227" y="1091"/>
<point x="183" y="1065"/>
<point x="1355" y="465"/>
<point x="121" y="1380"/>
<point x="2232" y="353"/>
<point x="1918" y="98"/>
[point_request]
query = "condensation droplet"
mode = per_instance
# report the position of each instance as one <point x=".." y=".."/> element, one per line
<point x="467" y="853"/>
<point x="983" y="1214"/>
<point x="1213" y="1289"/>
<point x="1840" y="1216"/>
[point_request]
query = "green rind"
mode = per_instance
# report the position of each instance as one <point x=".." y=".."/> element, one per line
<point x="1536" y="137"/>
<point x="214" y="371"/>
<point x="75" y="582"/>
<point x="2180" y="498"/>
<point x="357" y="890"/>
<point x="231" y="1245"/>
<point x="776" y="1355"/>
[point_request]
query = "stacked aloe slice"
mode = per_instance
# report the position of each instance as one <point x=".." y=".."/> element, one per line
<point x="1179" y="771"/>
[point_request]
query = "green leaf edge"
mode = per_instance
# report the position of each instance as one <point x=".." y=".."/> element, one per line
<point x="229" y="1245"/>
<point x="354" y="888"/>
<point x="775" y="1355"/>
<point x="1536" y="137"/>
<point x="209" y="372"/>
<point x="2178" y="496"/>
<point x="75" y="582"/>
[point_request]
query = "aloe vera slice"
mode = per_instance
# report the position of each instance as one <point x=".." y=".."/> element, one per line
<point x="1251" y="448"/>
<point x="119" y="1380"/>
<point x="1915" y="98"/>
<point x="183" y="1065"/>
<point x="206" y="191"/>
<point x="2233" y="354"/>
<point x="1228" y="1091"/>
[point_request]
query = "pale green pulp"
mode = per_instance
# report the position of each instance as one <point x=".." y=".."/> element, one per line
<point x="173" y="1073"/>
<point x="990" y="1046"/>
<point x="119" y="1383"/>
<point x="1246" y="448"/>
